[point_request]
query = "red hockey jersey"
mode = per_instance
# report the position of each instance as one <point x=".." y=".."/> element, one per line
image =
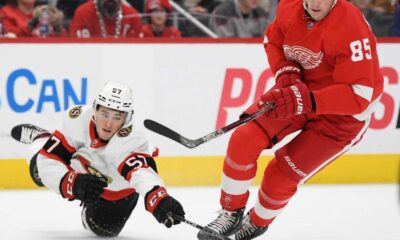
<point x="86" y="23"/>
<point x="15" y="21"/>
<point x="169" y="32"/>
<point x="338" y="55"/>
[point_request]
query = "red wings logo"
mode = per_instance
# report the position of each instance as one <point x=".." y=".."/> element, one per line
<point x="307" y="58"/>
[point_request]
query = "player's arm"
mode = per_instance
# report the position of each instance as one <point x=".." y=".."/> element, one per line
<point x="140" y="170"/>
<point x="55" y="172"/>
<point x="54" y="159"/>
<point x="356" y="77"/>
<point x="286" y="72"/>
<point x="220" y="25"/>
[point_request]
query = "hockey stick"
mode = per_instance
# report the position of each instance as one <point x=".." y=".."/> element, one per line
<point x="213" y="233"/>
<point x="192" y="143"/>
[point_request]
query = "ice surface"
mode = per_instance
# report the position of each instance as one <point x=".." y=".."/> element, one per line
<point x="317" y="212"/>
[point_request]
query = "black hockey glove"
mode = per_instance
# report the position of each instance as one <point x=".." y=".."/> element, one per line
<point x="159" y="203"/>
<point x="85" y="187"/>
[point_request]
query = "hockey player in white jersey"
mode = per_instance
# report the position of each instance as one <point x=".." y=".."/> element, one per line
<point x="99" y="157"/>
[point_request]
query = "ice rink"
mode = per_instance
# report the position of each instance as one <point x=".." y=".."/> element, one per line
<point x="317" y="212"/>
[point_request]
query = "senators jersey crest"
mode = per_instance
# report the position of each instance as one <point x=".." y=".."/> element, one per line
<point x="75" y="112"/>
<point x="125" y="131"/>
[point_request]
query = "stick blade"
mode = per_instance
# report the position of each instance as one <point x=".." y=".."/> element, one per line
<point x="168" y="133"/>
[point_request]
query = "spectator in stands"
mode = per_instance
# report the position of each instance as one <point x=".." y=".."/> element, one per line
<point x="272" y="5"/>
<point x="105" y="18"/>
<point x="137" y="4"/>
<point x="200" y="6"/>
<point x="379" y="22"/>
<point x="26" y="18"/>
<point x="239" y="18"/>
<point x="395" y="31"/>
<point x="383" y="6"/>
<point x="158" y="23"/>
<point x="201" y="10"/>
<point x="68" y="7"/>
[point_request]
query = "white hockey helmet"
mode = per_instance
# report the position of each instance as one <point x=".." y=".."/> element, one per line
<point x="116" y="96"/>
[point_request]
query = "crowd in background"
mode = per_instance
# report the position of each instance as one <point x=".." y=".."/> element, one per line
<point x="162" y="18"/>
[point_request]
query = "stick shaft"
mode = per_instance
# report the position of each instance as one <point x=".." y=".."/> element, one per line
<point x="192" y="143"/>
<point x="182" y="219"/>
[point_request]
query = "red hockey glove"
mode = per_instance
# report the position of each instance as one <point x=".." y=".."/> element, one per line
<point x="288" y="73"/>
<point x="85" y="187"/>
<point x="159" y="203"/>
<point x="289" y="101"/>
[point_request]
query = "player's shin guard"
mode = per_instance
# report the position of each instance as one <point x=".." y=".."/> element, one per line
<point x="276" y="190"/>
<point x="240" y="164"/>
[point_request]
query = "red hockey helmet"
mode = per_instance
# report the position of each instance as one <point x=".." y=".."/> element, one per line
<point x="153" y="4"/>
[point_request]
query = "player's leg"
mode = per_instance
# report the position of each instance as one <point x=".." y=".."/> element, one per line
<point x="107" y="218"/>
<point x="36" y="137"/>
<point x="240" y="166"/>
<point x="294" y="163"/>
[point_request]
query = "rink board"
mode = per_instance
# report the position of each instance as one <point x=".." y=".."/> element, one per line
<point x="191" y="171"/>
<point x="193" y="88"/>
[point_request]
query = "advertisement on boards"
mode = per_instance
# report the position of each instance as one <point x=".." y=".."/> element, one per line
<point x="191" y="88"/>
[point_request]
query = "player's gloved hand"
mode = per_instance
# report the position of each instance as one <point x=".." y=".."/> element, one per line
<point x="290" y="101"/>
<point x="288" y="73"/>
<point x="159" y="203"/>
<point x="85" y="187"/>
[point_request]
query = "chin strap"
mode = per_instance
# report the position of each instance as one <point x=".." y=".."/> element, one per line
<point x="305" y="5"/>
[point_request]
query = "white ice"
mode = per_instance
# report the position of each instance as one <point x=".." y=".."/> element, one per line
<point x="317" y="212"/>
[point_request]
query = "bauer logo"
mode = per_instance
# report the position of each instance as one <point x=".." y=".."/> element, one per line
<point x="25" y="92"/>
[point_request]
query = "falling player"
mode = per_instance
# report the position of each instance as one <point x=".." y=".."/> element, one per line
<point x="99" y="157"/>
<point x="328" y="83"/>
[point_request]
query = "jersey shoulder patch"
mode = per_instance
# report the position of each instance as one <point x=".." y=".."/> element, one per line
<point x="75" y="112"/>
<point x="124" y="132"/>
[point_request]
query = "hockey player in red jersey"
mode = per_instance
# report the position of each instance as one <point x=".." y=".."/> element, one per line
<point x="105" y="18"/>
<point x="99" y="157"/>
<point x="323" y="54"/>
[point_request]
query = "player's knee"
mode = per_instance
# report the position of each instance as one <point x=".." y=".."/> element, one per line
<point x="289" y="164"/>
<point x="247" y="141"/>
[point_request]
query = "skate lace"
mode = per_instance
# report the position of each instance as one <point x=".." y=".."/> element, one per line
<point x="223" y="222"/>
<point x="247" y="228"/>
<point x="27" y="134"/>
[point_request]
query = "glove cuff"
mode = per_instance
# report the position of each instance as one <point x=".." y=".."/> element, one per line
<point x="288" y="67"/>
<point x="154" y="197"/>
<point x="67" y="185"/>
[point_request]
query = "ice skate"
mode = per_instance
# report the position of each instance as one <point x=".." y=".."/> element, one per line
<point x="227" y="223"/>
<point x="27" y="133"/>
<point x="248" y="230"/>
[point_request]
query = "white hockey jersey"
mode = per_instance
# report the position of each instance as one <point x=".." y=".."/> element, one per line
<point x="124" y="161"/>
